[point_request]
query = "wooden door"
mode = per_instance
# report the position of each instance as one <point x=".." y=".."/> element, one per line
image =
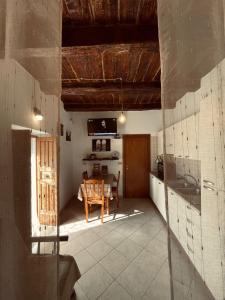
<point x="47" y="181"/>
<point x="136" y="152"/>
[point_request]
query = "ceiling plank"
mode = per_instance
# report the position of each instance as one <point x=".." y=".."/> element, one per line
<point x="74" y="35"/>
<point x="109" y="88"/>
<point x="105" y="107"/>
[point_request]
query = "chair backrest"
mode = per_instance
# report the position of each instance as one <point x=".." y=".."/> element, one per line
<point x="85" y="175"/>
<point x="104" y="170"/>
<point x="96" y="169"/>
<point x="94" y="191"/>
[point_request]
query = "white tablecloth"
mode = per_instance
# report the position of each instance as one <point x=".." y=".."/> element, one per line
<point x="107" y="191"/>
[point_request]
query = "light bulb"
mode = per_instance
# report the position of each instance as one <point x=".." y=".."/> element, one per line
<point x="122" y="118"/>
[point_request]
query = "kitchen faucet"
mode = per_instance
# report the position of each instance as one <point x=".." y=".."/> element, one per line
<point x="192" y="177"/>
<point x="195" y="180"/>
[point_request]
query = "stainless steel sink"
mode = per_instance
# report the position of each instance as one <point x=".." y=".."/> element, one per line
<point x="177" y="185"/>
<point x="187" y="191"/>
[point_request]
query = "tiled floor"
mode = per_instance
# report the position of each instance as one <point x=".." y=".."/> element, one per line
<point x="127" y="256"/>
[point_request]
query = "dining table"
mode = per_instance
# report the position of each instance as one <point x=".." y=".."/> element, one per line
<point x="108" y="184"/>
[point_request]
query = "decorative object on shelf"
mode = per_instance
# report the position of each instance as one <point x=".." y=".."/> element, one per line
<point x="92" y="156"/>
<point x="115" y="155"/>
<point x="61" y="129"/>
<point x="117" y="136"/>
<point x="68" y="135"/>
<point x="122" y="117"/>
<point x="101" y="145"/>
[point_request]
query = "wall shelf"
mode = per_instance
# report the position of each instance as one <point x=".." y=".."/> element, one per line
<point x="100" y="159"/>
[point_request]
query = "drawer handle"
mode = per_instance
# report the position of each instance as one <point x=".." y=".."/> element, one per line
<point x="208" y="188"/>
<point x="188" y="233"/>
<point x="189" y="248"/>
<point x="189" y="221"/>
<point x="188" y="207"/>
<point x="209" y="182"/>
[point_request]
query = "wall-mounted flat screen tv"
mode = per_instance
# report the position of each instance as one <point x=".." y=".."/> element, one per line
<point x="102" y="127"/>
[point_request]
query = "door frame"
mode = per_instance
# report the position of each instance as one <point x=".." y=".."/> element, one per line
<point x="124" y="158"/>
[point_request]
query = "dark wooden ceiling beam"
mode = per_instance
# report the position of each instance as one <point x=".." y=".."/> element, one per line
<point x="75" y="50"/>
<point x="74" y="35"/>
<point x="111" y="88"/>
<point x="110" y="107"/>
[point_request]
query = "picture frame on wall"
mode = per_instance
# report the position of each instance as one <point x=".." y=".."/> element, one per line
<point x="101" y="145"/>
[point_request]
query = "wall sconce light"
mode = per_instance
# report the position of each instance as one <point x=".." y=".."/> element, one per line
<point x="37" y="114"/>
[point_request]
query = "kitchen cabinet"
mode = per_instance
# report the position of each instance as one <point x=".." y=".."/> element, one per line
<point x="157" y="194"/>
<point x="190" y="103"/>
<point x="170" y="140"/>
<point x="181" y="108"/>
<point x="211" y="142"/>
<point x="160" y="142"/>
<point x="178" y="145"/>
<point x="211" y="154"/>
<point x="173" y="215"/>
<point x="213" y="240"/>
<point x="191" y="144"/>
<point x="184" y="135"/>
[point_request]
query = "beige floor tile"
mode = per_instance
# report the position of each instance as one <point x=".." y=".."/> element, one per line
<point x="95" y="282"/>
<point x="80" y="295"/>
<point x="129" y="249"/>
<point x="84" y="261"/>
<point x="114" y="263"/>
<point x="99" y="249"/>
<point x="115" y="292"/>
<point x="114" y="238"/>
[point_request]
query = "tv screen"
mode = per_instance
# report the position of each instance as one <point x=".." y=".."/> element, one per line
<point x="102" y="127"/>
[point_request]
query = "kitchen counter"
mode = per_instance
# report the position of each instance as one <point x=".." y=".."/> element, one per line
<point x="176" y="185"/>
<point x="156" y="175"/>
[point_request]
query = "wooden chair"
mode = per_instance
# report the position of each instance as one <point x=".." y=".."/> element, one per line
<point x="94" y="195"/>
<point x="115" y="189"/>
<point x="96" y="170"/>
<point x="85" y="175"/>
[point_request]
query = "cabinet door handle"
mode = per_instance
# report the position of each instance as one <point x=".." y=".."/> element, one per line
<point x="189" y="221"/>
<point x="208" y="188"/>
<point x="188" y="233"/>
<point x="159" y="182"/>
<point x="208" y="182"/>
<point x="188" y="207"/>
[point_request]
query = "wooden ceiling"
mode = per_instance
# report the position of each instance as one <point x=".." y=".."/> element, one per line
<point x="110" y="55"/>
